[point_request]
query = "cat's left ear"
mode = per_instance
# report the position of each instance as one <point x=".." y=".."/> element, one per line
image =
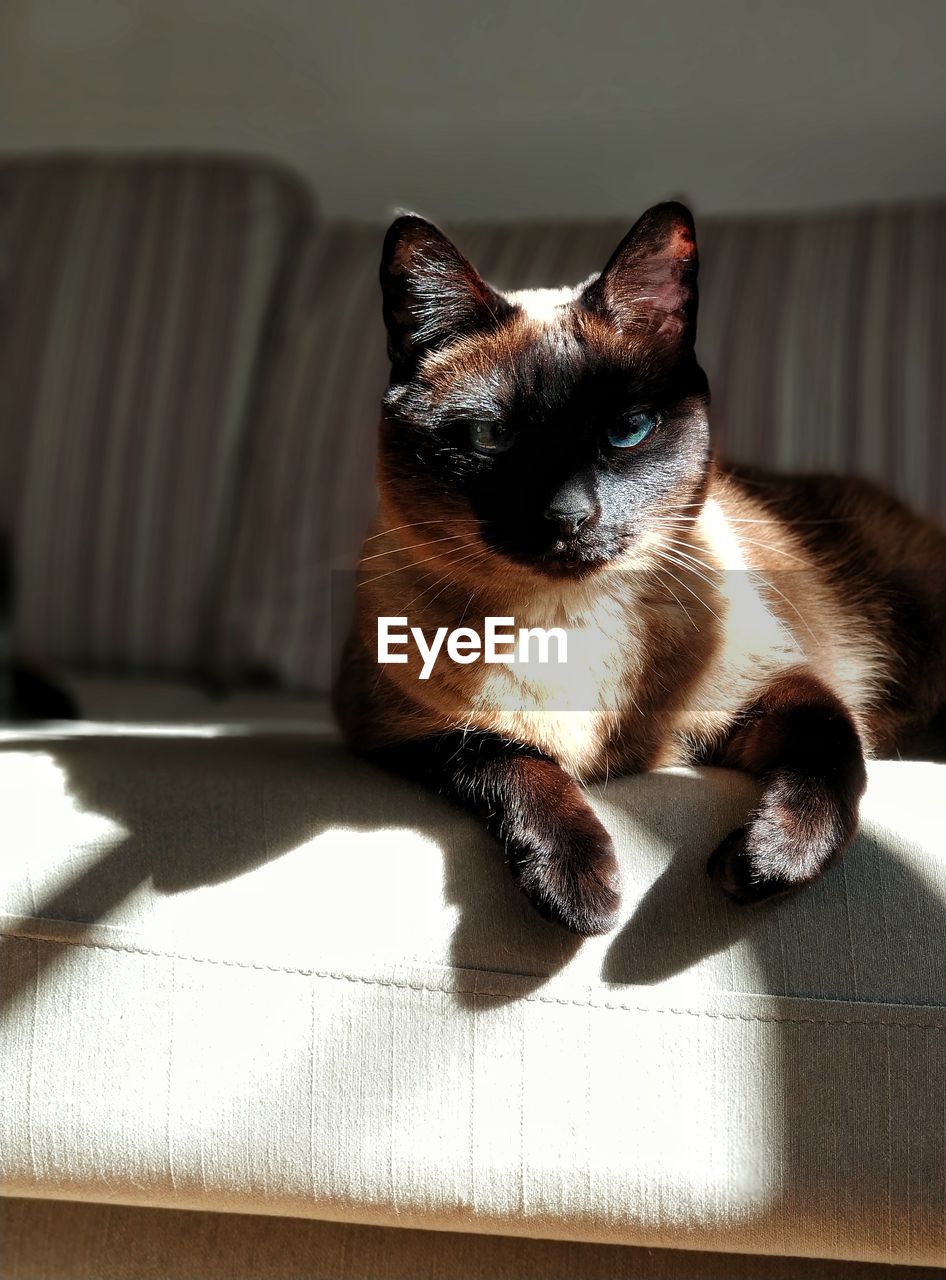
<point x="649" y="285"/>
<point x="432" y="294"/>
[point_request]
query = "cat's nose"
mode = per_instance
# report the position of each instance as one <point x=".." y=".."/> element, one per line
<point x="567" y="521"/>
<point x="572" y="506"/>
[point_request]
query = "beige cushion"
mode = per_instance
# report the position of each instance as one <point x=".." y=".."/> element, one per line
<point x="245" y="972"/>
<point x="144" y="701"/>
<point x="48" y="1240"/>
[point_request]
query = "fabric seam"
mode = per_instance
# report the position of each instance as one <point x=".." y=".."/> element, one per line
<point x="477" y="991"/>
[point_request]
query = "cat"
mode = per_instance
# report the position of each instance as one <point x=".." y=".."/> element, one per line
<point x="545" y="456"/>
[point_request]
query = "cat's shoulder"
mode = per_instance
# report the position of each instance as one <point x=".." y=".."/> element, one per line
<point x="801" y="497"/>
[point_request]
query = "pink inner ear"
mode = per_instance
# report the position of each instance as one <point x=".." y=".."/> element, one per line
<point x="655" y="296"/>
<point x="672" y="326"/>
<point x="681" y="243"/>
<point x="652" y="285"/>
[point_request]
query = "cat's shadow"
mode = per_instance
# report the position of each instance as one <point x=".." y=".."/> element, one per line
<point x="190" y="811"/>
<point x="216" y="808"/>
<point x="681" y="921"/>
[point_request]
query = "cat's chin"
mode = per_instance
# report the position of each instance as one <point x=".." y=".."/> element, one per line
<point x="568" y="565"/>
<point x="573" y="561"/>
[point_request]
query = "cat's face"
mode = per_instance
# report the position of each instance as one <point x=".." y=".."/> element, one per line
<point x="565" y="425"/>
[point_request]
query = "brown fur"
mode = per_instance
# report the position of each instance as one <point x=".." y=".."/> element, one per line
<point x="850" y="585"/>
<point x="785" y="626"/>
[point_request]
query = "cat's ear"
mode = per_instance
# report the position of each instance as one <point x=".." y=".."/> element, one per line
<point x="431" y="293"/>
<point x="649" y="285"/>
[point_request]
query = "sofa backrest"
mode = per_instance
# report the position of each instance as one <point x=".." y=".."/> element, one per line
<point x="191" y="368"/>
<point x="135" y="297"/>
<point x="824" y="337"/>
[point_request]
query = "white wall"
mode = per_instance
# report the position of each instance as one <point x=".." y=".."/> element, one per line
<point x="502" y="106"/>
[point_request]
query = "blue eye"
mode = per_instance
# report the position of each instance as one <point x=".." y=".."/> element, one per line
<point x="490" y="437"/>
<point x="633" y="430"/>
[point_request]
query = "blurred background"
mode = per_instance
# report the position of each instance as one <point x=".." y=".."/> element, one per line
<point x="502" y="108"/>
<point x="192" y="197"/>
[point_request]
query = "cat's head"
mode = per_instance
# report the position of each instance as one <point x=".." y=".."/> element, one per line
<point x="562" y="425"/>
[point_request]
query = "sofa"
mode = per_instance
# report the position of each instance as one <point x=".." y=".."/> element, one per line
<point x="269" y="1012"/>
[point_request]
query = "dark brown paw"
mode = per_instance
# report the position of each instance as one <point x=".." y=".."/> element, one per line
<point x="563" y="860"/>
<point x="573" y="883"/>
<point x="800" y="827"/>
<point x="743" y="874"/>
<point x="788" y="843"/>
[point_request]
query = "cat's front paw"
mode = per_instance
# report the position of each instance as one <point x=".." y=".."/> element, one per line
<point x="786" y="845"/>
<point x="743" y="871"/>
<point x="565" y="865"/>
<point x="572" y="880"/>
<point x="571" y="877"/>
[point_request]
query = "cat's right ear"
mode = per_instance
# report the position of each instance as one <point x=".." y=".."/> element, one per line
<point x="432" y="295"/>
<point x="649" y="285"/>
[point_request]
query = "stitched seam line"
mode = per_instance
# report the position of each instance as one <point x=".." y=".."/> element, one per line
<point x="476" y="991"/>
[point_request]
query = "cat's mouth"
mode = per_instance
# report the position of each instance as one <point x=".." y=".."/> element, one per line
<point x="568" y="563"/>
<point x="566" y="555"/>
<point x="570" y="557"/>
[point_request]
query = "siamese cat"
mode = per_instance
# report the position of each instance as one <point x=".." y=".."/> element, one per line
<point x="545" y="457"/>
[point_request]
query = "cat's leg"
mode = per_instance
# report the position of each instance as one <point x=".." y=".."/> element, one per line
<point x="801" y="741"/>
<point x="559" y="853"/>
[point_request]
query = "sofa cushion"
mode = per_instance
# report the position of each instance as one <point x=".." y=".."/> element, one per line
<point x="244" y="971"/>
<point x="822" y="335"/>
<point x="135" y="302"/>
<point x="123" y="700"/>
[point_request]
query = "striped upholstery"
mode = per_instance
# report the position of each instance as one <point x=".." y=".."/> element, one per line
<point x="134" y="297"/>
<point x="823" y="335"/>
<point x="310" y="491"/>
<point x="824" y="338"/>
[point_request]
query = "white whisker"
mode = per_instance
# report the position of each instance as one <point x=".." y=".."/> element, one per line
<point x="481" y="552"/>
<point x="413" y="546"/>
<point x="413" y="564"/>
<point x="778" y="550"/>
<point x="779" y="519"/>
<point x="416" y="524"/>
<point x="772" y="587"/>
<point x="667" y="555"/>
<point x="702" y="576"/>
<point x="692" y="620"/>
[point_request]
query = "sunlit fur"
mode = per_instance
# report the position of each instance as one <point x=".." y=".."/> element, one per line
<point x="698" y="596"/>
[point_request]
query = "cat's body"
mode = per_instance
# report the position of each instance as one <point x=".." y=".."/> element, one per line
<point x="666" y="674"/>
<point x="784" y="626"/>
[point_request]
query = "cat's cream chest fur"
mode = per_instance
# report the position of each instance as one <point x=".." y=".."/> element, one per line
<point x="617" y="681"/>
<point x="568" y="710"/>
